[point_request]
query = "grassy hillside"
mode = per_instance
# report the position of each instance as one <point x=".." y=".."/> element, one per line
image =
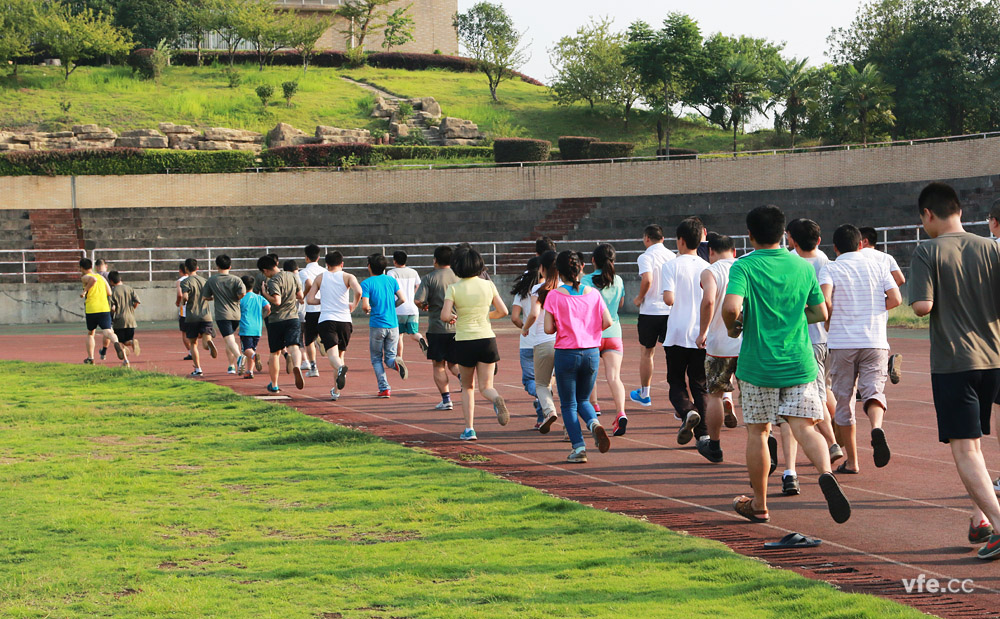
<point x="110" y="96"/>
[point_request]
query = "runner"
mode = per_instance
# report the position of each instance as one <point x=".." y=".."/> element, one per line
<point x="292" y="267"/>
<point x="475" y="343"/>
<point x="380" y="296"/>
<point x="283" y="291"/>
<point x="955" y="279"/>
<point x="544" y="244"/>
<point x="331" y="292"/>
<point x="722" y="352"/>
<point x="869" y="239"/>
<point x="407" y="314"/>
<point x="101" y="268"/>
<point x="770" y="298"/>
<point x="612" y="349"/>
<point x="310" y="313"/>
<point x="225" y="291"/>
<point x="124" y="300"/>
<point x="544" y="351"/>
<point x="859" y="294"/>
<point x="253" y="309"/>
<point x="97" y="306"/>
<point x="182" y="310"/>
<point x="576" y="315"/>
<point x="198" y="316"/>
<point x="994" y="223"/>
<point x="653" y="312"/>
<point x="519" y="312"/>
<point x="680" y="285"/>
<point x="440" y="334"/>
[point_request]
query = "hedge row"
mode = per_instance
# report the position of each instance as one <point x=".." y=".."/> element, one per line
<point x="395" y="153"/>
<point x="573" y="147"/>
<point x="317" y="155"/>
<point x="611" y="150"/>
<point x="515" y="150"/>
<point x="120" y="161"/>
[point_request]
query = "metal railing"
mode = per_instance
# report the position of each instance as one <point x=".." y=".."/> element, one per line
<point x="22" y="264"/>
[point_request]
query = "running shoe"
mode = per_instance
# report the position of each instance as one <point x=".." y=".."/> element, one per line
<point x="705" y="448"/>
<point x="196" y="373"/>
<point x="248" y="376"/>
<point x="618" y="427"/>
<point x="120" y="351"/>
<point x="789" y="485"/>
<point x="212" y="350"/>
<point x="126" y="364"/>
<point x="445" y="406"/>
<point x="272" y="389"/>
<point x="304" y="366"/>
<point x="772" y="450"/>
<point x="686" y="433"/>
<point x="385" y="393"/>
<point x="597" y="409"/>
<point x="600" y="435"/>
<point x="836" y="502"/>
<point x="728" y="410"/>
<point x="231" y="370"/>
<point x="500" y="408"/>
<point x="299" y="379"/>
<point x="423" y="345"/>
<point x="187" y="357"/>
<point x="341" y="377"/>
<point x="135" y="346"/>
<point x="241" y="363"/>
<point x="636" y="396"/>
<point x="104" y="353"/>
<point x="895" y="373"/>
<point x="334" y="395"/>
<point x="88" y="361"/>
<point x="577" y="456"/>
<point x="996" y="482"/>
<point x="538" y="424"/>
<point x="401" y="366"/>
<point x="881" y="448"/>
<point x="288" y="363"/>
<point x="257" y="364"/>
<point x="468" y="435"/>
<point x="991" y="550"/>
<point x="981" y="533"/>
<point x="836" y="453"/>
<point x="312" y="373"/>
<point x="547" y="424"/>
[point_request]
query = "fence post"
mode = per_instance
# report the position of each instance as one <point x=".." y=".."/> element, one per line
<point x="208" y="266"/>
<point x="24" y="267"/>
<point x="494" y="258"/>
<point x="150" y="265"/>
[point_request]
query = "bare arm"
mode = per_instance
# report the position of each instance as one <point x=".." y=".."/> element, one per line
<point x="88" y="283"/>
<point x="536" y="311"/>
<point x="828" y="297"/>
<point x="366" y="305"/>
<point x="644" y="286"/>
<point x="515" y="316"/>
<point x="898" y="277"/>
<point x="312" y="290"/>
<point x="499" y="308"/>
<point x="447" y="315"/>
<point x="400" y="299"/>
<point x="709" y="290"/>
<point x="355" y="286"/>
<point x="922" y="308"/>
<point x="732" y="310"/>
<point x="180" y="295"/>
<point x="893" y="298"/>
<point x="606" y="320"/>
<point x="550" y="324"/>
<point x="668" y="297"/>
<point x="266" y="311"/>
<point x="817" y="313"/>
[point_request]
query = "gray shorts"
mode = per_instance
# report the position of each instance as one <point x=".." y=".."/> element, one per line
<point x="822" y="356"/>
<point x="857" y="369"/>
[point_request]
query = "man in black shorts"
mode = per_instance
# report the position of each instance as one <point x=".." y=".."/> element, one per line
<point x="124" y="300"/>
<point x="181" y="310"/>
<point x="440" y="335"/>
<point x="283" y="291"/>
<point x="330" y="293"/>
<point x="955" y="278"/>
<point x="653" y="312"/>
<point x="198" y="315"/>
<point x="225" y="291"/>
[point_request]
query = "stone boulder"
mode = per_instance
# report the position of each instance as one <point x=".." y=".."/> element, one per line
<point x="456" y="128"/>
<point x="142" y="141"/>
<point x="185" y="141"/>
<point x="171" y="128"/>
<point x="142" y="133"/>
<point x="457" y="142"/>
<point x="284" y="134"/>
<point x="382" y="109"/>
<point x="7" y="146"/>
<point x="400" y="130"/>
<point x="334" y="135"/>
<point x="430" y="106"/>
<point x="221" y="134"/>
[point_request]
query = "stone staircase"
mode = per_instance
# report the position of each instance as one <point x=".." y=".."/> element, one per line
<point x="557" y="224"/>
<point x="56" y="229"/>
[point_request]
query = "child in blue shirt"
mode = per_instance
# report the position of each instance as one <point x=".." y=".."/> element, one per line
<point x="380" y="295"/>
<point x="253" y="309"/>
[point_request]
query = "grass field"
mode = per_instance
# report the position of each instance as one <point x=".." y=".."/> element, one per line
<point x="138" y="495"/>
<point x="110" y="96"/>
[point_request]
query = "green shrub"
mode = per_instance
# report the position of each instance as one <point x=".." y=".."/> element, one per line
<point x="611" y="150"/>
<point x="366" y="105"/>
<point x="265" y="92"/>
<point x="678" y="153"/>
<point x="398" y="152"/>
<point x="288" y="90"/>
<point x="317" y="155"/>
<point x="141" y="63"/>
<point x="121" y="161"/>
<point x="415" y="138"/>
<point x="513" y="150"/>
<point x="574" y="147"/>
<point x="405" y="111"/>
<point x="355" y="57"/>
<point x="233" y="76"/>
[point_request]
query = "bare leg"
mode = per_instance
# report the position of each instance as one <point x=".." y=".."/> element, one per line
<point x="91" y="344"/>
<point x="441" y="376"/>
<point x="847" y="436"/>
<point x="195" y="353"/>
<point x="272" y="368"/>
<point x="972" y="469"/>
<point x="789" y="447"/>
<point x="758" y="462"/>
<point x="468" y="396"/>
<point x="311" y="353"/>
<point x="232" y="349"/>
<point x="187" y="344"/>
<point x="812" y="442"/>
<point x="646" y="366"/>
<point x="825" y="427"/>
<point x="613" y="374"/>
<point x="296" y="354"/>
<point x="714" y="415"/>
<point x="336" y="361"/>
<point x="875" y="413"/>
<point x="485" y="372"/>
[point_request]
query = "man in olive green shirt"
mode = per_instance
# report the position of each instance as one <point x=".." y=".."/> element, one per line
<point x="226" y="291"/>
<point x="283" y="291"/>
<point x="198" y="315"/>
<point x="123" y="304"/>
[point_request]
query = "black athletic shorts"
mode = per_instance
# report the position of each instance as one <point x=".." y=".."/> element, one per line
<point x="470" y="352"/>
<point x="193" y="329"/>
<point x="334" y="333"/>
<point x="311" y="328"/>
<point x="963" y="402"/>
<point x="228" y="327"/>
<point x="283" y="333"/>
<point x="181" y="324"/>
<point x="441" y="347"/>
<point x="248" y="342"/>
<point x="652" y="330"/>
<point x="125" y="335"/>
<point x="98" y="320"/>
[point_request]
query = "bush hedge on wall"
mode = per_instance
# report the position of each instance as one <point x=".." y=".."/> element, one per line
<point x="575" y="147"/>
<point x="611" y="150"/>
<point x="395" y="153"/>
<point x="317" y="155"/>
<point x="119" y="161"/>
<point x="513" y="150"/>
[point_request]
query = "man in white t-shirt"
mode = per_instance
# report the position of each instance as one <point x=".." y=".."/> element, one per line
<point x="653" y="312"/>
<point x="407" y="313"/>
<point x="859" y="294"/>
<point x="680" y="284"/>
<point x="310" y="313"/>
<point x="869" y="239"/>
<point x="721" y="351"/>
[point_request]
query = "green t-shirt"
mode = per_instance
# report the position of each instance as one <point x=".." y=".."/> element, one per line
<point x="776" y="288"/>
<point x="123" y="300"/>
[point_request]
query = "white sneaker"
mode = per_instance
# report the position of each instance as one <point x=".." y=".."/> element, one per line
<point x="305" y="366"/>
<point x="334" y="395"/>
<point x="312" y="373"/>
<point x="231" y="370"/>
<point x="996" y="484"/>
<point x="445" y="406"/>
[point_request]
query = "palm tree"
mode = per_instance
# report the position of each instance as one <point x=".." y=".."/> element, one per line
<point x="867" y="99"/>
<point x="744" y="91"/>
<point x="792" y="86"/>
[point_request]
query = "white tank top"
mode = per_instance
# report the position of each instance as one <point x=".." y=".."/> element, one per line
<point x="335" y="298"/>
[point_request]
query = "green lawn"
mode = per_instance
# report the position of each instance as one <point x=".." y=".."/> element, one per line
<point x="110" y="96"/>
<point x="137" y="495"/>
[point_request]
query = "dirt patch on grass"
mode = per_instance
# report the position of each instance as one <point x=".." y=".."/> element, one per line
<point x="186" y="467"/>
<point x="383" y="537"/>
<point x="127" y="591"/>
<point x="134" y="441"/>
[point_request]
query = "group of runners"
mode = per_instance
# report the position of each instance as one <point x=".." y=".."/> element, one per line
<point x="804" y="337"/>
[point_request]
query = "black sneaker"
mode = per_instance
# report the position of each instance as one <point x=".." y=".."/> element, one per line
<point x="705" y="449"/>
<point x="772" y="448"/>
<point x="88" y="361"/>
<point x="341" y="377"/>
<point x="401" y="366"/>
<point x="104" y="353"/>
<point x="880" y="447"/>
<point x="789" y="485"/>
<point x="423" y="345"/>
<point x="187" y="357"/>
<point x="895" y="373"/>
<point x="840" y="507"/>
<point x="686" y="433"/>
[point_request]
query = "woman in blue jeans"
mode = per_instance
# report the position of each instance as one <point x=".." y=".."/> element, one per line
<point x="577" y="315"/>
<point x="519" y="312"/>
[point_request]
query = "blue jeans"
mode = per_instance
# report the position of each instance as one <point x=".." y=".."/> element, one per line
<point x="528" y="379"/>
<point x="382" y="345"/>
<point x="576" y="373"/>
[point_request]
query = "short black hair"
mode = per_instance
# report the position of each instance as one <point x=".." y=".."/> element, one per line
<point x="334" y="259"/>
<point x="544" y="244"/>
<point x="182" y="267"/>
<point x="100" y="262"/>
<point x="266" y="263"/>
<point x="467" y="263"/>
<point x="995" y="211"/>
<point x="463" y="246"/>
<point x="653" y="232"/>
<point x="869" y="234"/>
<point x="399" y="257"/>
<point x="85" y="263"/>
<point x="114" y="277"/>
<point x="940" y="199"/>
<point x="312" y="252"/>
<point x="223" y="261"/>
<point x="846" y="238"/>
<point x="290" y="265"/>
<point x="766" y="224"/>
<point x="191" y="265"/>
<point x="790" y="227"/>
<point x="378" y="263"/>
<point x="248" y="281"/>
<point x="691" y="230"/>
<point x="442" y="255"/>
<point x="720" y="243"/>
<point x="805" y="233"/>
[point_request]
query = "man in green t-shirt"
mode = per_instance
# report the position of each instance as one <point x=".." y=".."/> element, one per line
<point x="771" y="298"/>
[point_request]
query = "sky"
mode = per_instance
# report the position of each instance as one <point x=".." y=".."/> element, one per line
<point x="804" y="30"/>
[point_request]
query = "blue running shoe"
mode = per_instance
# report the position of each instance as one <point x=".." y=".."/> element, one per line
<point x="636" y="396"/>
<point x="468" y="435"/>
<point x="272" y="389"/>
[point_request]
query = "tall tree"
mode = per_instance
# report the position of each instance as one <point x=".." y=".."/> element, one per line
<point x="73" y="37"/>
<point x="152" y="21"/>
<point x="228" y="18"/>
<point x="197" y="20"/>
<point x="584" y="64"/>
<point x="488" y="34"/>
<point x="18" y="24"/>
<point x="792" y="90"/>
<point x="305" y="36"/>
<point x="744" y="93"/>
<point x="266" y="29"/>
<point x="866" y="99"/>
<point x="398" y="28"/>
<point x="666" y="61"/>
<point x="363" y="17"/>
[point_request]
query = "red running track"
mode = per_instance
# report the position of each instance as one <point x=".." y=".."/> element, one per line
<point x="909" y="518"/>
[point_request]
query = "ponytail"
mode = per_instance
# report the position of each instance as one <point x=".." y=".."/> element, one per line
<point x="570" y="266"/>
<point x="522" y="288"/>
<point x="604" y="259"/>
<point x="548" y="262"/>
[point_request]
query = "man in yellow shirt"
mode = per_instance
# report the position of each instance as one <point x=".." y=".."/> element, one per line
<point x="97" y="306"/>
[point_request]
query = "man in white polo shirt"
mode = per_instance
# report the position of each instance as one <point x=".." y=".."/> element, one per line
<point x="653" y="312"/>
<point x="869" y="239"/>
<point x="859" y="294"/>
